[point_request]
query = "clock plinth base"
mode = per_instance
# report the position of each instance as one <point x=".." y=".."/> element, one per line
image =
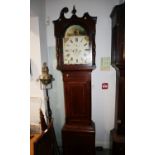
<point x="78" y="140"/>
<point x="117" y="143"/>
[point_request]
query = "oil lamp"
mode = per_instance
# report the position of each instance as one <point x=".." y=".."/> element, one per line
<point x="45" y="84"/>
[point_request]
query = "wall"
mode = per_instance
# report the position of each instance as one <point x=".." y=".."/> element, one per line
<point x="103" y="102"/>
<point x="35" y="56"/>
<point x="38" y="52"/>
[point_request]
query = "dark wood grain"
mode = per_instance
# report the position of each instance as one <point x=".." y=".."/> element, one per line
<point x="77" y="88"/>
<point x="45" y="143"/>
<point x="78" y="140"/>
<point x="78" y="133"/>
<point x="118" y="143"/>
<point x="118" y="62"/>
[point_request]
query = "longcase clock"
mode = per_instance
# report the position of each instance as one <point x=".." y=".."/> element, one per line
<point x="118" y="62"/>
<point x="75" y="48"/>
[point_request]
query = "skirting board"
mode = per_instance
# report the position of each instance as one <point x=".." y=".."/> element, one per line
<point x="105" y="145"/>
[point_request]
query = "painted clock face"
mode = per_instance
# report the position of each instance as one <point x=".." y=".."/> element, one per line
<point x="76" y="47"/>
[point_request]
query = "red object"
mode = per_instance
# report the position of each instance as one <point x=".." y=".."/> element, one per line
<point x="104" y="85"/>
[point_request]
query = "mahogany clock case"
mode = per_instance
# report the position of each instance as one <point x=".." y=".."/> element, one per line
<point x="78" y="133"/>
<point x="60" y="27"/>
<point x="77" y="87"/>
<point x="118" y="62"/>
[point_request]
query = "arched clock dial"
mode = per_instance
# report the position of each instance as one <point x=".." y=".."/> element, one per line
<point x="77" y="50"/>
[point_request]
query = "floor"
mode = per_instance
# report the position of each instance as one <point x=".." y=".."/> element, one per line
<point x="101" y="151"/>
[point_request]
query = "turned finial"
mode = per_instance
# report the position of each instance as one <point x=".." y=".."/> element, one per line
<point x="74" y="10"/>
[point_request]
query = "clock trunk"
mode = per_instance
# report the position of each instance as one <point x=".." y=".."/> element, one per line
<point x="77" y="91"/>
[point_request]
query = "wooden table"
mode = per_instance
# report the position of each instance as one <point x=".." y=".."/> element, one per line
<point x="33" y="139"/>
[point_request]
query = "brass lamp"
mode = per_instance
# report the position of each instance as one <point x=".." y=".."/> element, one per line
<point x="46" y="83"/>
<point x="46" y="78"/>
